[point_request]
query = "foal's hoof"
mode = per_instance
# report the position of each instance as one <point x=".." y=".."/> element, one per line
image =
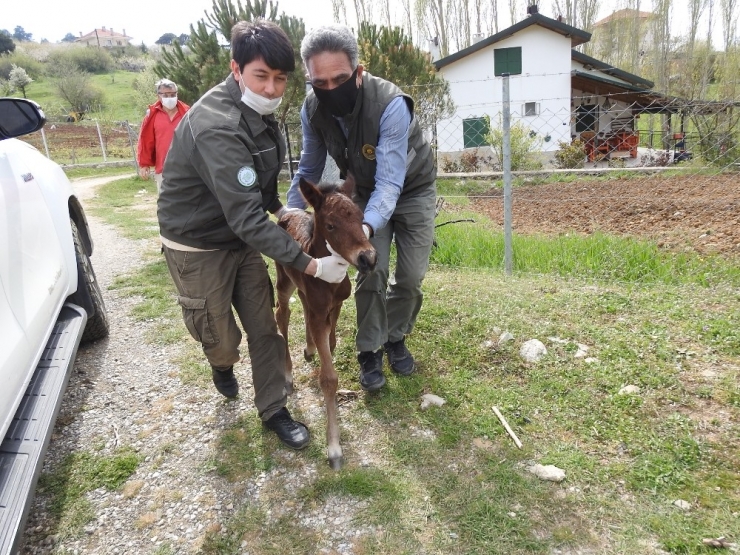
<point x="336" y="463"/>
<point x="308" y="356"/>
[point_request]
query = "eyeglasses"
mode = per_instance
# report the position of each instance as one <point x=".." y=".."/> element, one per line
<point x="168" y="94"/>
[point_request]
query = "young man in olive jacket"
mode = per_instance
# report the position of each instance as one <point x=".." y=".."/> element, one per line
<point x="220" y="178"/>
<point x="367" y="125"/>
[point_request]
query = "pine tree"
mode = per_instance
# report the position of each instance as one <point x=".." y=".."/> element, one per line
<point x="204" y="61"/>
<point x="389" y="53"/>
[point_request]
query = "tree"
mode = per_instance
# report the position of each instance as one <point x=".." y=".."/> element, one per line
<point x="729" y="22"/>
<point x="19" y="79"/>
<point x="69" y="37"/>
<point x="389" y="53"/>
<point x="204" y="62"/>
<point x="74" y="86"/>
<point x="6" y="44"/>
<point x="167" y="38"/>
<point x="21" y="36"/>
<point x="183" y="38"/>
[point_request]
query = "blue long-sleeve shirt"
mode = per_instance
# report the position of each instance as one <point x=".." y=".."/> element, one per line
<point x="390" y="155"/>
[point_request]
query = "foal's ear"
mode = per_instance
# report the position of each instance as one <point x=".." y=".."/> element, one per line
<point x="348" y="187"/>
<point x="311" y="193"/>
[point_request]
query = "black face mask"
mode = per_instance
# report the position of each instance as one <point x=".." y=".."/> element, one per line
<point x="341" y="100"/>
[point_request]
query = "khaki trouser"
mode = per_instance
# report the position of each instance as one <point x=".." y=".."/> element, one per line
<point x="209" y="283"/>
<point x="158" y="180"/>
<point x="387" y="309"/>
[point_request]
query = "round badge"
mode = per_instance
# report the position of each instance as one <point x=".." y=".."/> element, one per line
<point x="368" y="151"/>
<point x="247" y="176"/>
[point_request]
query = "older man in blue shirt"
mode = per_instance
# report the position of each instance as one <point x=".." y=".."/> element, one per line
<point x="366" y="124"/>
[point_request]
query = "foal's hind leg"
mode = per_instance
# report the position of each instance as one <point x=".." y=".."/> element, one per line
<point x="285" y="288"/>
<point x="320" y="329"/>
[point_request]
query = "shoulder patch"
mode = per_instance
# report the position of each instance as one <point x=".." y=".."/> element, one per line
<point x="246" y="176"/>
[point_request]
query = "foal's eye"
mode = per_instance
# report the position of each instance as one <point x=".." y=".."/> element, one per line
<point x="330" y="227"/>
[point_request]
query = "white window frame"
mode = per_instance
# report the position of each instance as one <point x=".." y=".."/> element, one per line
<point x="528" y="113"/>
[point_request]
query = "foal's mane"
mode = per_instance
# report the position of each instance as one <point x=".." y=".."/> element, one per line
<point x="302" y="230"/>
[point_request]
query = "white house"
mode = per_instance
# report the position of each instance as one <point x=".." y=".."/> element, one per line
<point x="105" y="38"/>
<point x="555" y="92"/>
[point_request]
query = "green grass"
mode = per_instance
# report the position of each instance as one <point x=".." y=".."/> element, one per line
<point x="480" y="244"/>
<point x="449" y="479"/>
<point x="131" y="203"/>
<point x="117" y="88"/>
<point x="79" y="473"/>
<point x="79" y="173"/>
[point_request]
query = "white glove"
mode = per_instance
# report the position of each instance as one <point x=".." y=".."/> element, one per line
<point x="366" y="229"/>
<point x="331" y="269"/>
<point x="333" y="252"/>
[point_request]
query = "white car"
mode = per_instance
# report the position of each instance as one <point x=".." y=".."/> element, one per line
<point x="50" y="301"/>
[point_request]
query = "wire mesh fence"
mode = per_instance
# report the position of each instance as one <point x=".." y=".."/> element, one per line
<point x="609" y="166"/>
<point x="86" y="142"/>
<point x="632" y="186"/>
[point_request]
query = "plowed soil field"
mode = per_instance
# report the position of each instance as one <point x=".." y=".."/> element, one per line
<point x="697" y="213"/>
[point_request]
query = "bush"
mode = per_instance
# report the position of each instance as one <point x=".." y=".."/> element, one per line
<point x="656" y="158"/>
<point x="450" y="166"/>
<point x="133" y="64"/>
<point x="74" y="86"/>
<point x="91" y="60"/>
<point x="570" y="156"/>
<point x="525" y="146"/>
<point x="34" y="68"/>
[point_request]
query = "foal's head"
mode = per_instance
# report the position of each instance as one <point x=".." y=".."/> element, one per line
<point x="338" y="221"/>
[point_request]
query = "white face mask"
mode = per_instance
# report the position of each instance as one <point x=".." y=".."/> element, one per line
<point x="169" y="103"/>
<point x="259" y="103"/>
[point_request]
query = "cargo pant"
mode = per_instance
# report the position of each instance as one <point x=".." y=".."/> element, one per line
<point x="209" y="283"/>
<point x="387" y="309"/>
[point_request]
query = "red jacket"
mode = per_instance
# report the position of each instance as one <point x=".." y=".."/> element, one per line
<point x="156" y="134"/>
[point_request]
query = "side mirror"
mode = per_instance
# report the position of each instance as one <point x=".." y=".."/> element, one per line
<point x="19" y="116"/>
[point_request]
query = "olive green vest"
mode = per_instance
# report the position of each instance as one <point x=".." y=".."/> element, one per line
<point x="356" y="153"/>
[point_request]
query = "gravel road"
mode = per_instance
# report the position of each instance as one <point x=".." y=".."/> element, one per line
<point x="126" y="392"/>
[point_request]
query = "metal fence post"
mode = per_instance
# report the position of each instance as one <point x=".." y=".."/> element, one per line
<point x="506" y="166"/>
<point x="290" y="153"/>
<point x="100" y="137"/>
<point x="46" y="146"/>
<point x="131" y="142"/>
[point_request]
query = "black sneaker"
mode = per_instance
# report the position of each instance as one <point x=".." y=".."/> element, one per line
<point x="225" y="381"/>
<point x="399" y="357"/>
<point x="292" y="433"/>
<point x="371" y="370"/>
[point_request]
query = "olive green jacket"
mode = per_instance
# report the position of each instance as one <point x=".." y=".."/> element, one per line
<point x="220" y="178"/>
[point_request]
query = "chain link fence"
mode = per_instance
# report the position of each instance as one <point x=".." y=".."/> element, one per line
<point x="633" y="166"/>
<point x="87" y="142"/>
<point x="627" y="164"/>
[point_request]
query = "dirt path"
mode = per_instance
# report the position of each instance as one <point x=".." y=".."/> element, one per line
<point x="126" y="391"/>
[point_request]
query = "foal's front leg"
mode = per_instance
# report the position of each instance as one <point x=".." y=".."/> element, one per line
<point x="285" y="288"/>
<point x="320" y="324"/>
<point x="310" y="350"/>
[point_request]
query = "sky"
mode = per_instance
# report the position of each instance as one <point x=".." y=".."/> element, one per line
<point x="146" y="20"/>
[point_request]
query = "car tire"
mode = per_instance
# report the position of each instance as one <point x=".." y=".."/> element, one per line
<point x="88" y="294"/>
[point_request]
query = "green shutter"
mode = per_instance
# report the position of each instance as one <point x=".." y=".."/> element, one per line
<point x="507" y="60"/>
<point x="474" y="132"/>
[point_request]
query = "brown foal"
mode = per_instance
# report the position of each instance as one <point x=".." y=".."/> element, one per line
<point x="338" y="221"/>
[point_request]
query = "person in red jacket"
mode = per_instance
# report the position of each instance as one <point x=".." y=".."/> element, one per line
<point x="158" y="128"/>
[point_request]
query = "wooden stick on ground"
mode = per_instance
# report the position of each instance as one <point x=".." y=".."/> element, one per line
<point x="507" y="427"/>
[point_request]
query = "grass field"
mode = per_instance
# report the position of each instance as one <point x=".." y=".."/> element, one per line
<point x="449" y="479"/>
<point x="118" y="97"/>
